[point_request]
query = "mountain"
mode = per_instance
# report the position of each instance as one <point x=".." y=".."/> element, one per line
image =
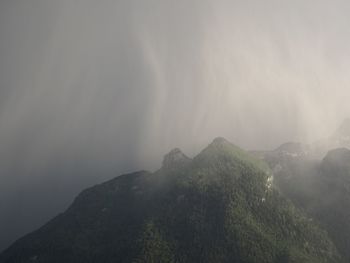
<point x="333" y="206"/>
<point x="317" y="150"/>
<point x="340" y="138"/>
<point x="316" y="178"/>
<point x="219" y="206"/>
<point x="284" y="155"/>
<point x="322" y="190"/>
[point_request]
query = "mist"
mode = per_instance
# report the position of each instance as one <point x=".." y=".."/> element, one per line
<point x="90" y="90"/>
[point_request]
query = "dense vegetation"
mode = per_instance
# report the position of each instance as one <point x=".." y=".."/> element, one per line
<point x="321" y="189"/>
<point x="218" y="207"/>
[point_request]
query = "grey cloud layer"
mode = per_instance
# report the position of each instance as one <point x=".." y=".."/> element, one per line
<point x="159" y="73"/>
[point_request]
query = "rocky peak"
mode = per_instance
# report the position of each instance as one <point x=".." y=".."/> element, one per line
<point x="344" y="128"/>
<point x="292" y="149"/>
<point x="335" y="168"/>
<point x="339" y="156"/>
<point x="175" y="158"/>
<point x="341" y="138"/>
<point x="220" y="141"/>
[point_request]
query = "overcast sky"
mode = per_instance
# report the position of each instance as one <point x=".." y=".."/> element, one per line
<point x="112" y="85"/>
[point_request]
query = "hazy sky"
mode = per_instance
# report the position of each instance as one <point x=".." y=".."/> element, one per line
<point x="109" y="86"/>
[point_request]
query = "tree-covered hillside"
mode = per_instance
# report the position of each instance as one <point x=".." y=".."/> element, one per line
<point x="218" y="207"/>
<point x="321" y="189"/>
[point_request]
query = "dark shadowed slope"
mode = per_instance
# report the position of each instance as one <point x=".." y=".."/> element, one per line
<point x="333" y="206"/>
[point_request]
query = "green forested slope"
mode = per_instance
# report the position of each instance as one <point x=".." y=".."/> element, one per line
<point x="218" y="207"/>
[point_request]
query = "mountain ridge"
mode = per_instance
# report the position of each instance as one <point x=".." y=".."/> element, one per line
<point x="217" y="207"/>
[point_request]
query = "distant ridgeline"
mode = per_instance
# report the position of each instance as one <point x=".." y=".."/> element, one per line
<point x="317" y="182"/>
<point x="219" y="206"/>
<point x="321" y="189"/>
